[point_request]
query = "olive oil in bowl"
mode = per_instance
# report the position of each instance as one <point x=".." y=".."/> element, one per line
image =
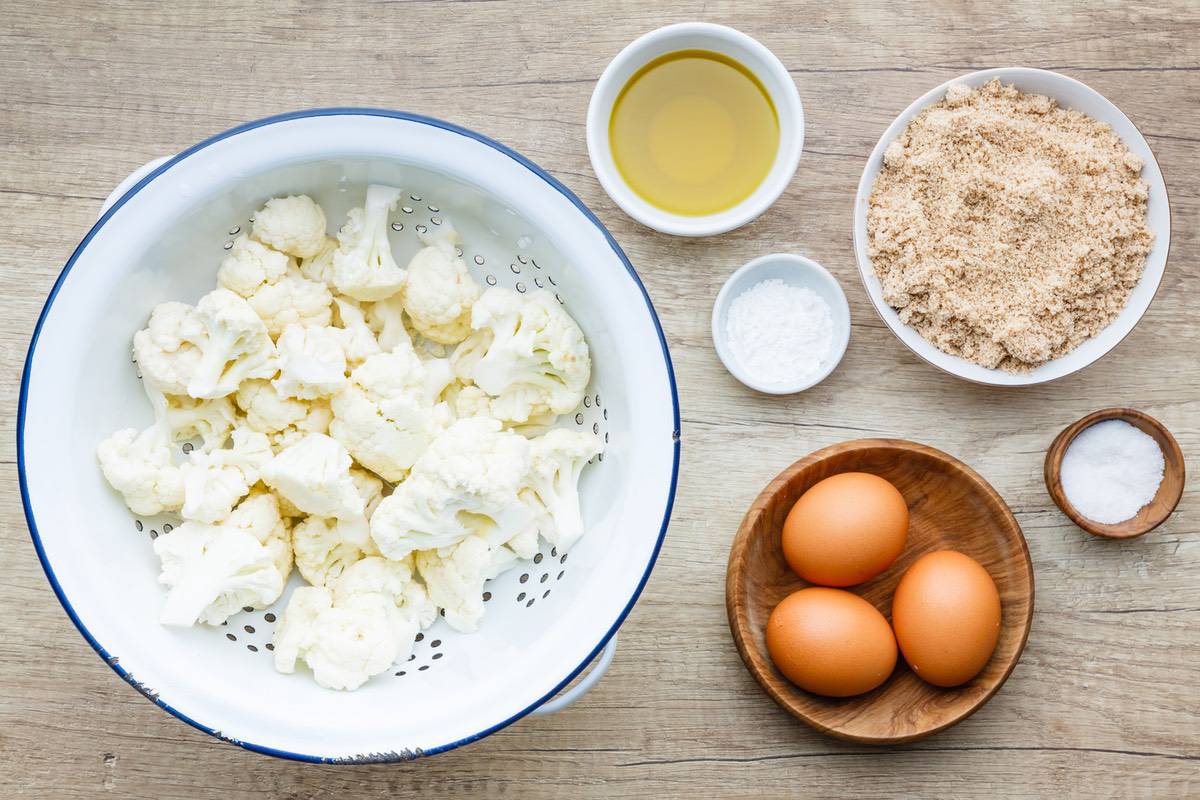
<point x="694" y="132"/>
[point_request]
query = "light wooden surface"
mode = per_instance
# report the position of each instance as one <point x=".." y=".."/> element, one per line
<point x="1106" y="700"/>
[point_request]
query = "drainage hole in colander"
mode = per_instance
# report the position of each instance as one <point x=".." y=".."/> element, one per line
<point x="563" y="560"/>
<point x="188" y="447"/>
<point x="231" y="637"/>
<point x="487" y="596"/>
<point x="491" y="280"/>
<point x="434" y="209"/>
<point x="421" y="229"/>
<point x="545" y="594"/>
<point x="524" y="577"/>
<point x="558" y="297"/>
<point x="479" y="260"/>
<point x="553" y="552"/>
<point x="423" y="667"/>
<point x="545" y="577"/>
<point x="537" y="559"/>
<point x="436" y="656"/>
<point x="531" y="600"/>
<point x="521" y="258"/>
<point x="520" y="597"/>
<point x="435" y="219"/>
<point x="416" y="198"/>
<point x="397" y="226"/>
<point x="235" y="230"/>
<point x="269" y="617"/>
<point x="228" y="245"/>
<point x="270" y="646"/>
<point x="168" y="527"/>
<point x="407" y="210"/>
<point x="587" y="402"/>
<point x="252" y="648"/>
<point x="401" y="673"/>
<point x="559" y="578"/>
<point x="153" y="534"/>
<point x="436" y="643"/>
<point x="420" y="637"/>
<point x="579" y="418"/>
<point x="515" y="269"/>
<point x="137" y="523"/>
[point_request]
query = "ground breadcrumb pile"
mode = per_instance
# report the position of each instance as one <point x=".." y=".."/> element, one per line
<point x="1005" y="229"/>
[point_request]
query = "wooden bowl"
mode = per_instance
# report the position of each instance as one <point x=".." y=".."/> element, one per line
<point x="1153" y="513"/>
<point x="950" y="508"/>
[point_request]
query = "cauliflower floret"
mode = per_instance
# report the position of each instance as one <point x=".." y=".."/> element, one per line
<point x="386" y="320"/>
<point x="285" y="420"/>
<point x="454" y="577"/>
<point x="344" y="645"/>
<point x="292" y="300"/>
<point x="408" y="603"/>
<point x="325" y="547"/>
<point x="138" y="465"/>
<point x="168" y="350"/>
<point x="294" y="225"/>
<point x="319" y="266"/>
<point x="465" y="483"/>
<point x="358" y="341"/>
<point x="387" y="415"/>
<point x="250" y="265"/>
<point x="526" y="352"/>
<point x="312" y="362"/>
<point x="314" y="474"/>
<point x="439" y="291"/>
<point x="214" y="481"/>
<point x="213" y="571"/>
<point x="552" y="485"/>
<point x="189" y="418"/>
<point x="237" y="347"/>
<point x="363" y="267"/>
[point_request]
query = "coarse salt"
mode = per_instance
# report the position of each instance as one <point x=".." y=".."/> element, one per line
<point x="1110" y="470"/>
<point x="780" y="334"/>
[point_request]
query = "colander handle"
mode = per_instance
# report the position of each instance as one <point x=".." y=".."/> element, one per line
<point x="584" y="686"/>
<point x="125" y="185"/>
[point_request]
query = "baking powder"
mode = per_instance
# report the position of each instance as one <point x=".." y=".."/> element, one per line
<point x="780" y="334"/>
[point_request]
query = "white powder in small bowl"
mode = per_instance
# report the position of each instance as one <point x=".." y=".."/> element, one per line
<point x="1110" y="470"/>
<point x="780" y="334"/>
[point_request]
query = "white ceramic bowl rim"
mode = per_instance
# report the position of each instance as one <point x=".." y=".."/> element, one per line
<point x="788" y="107"/>
<point x="1140" y="298"/>
<point x="798" y="263"/>
<point x="111" y="659"/>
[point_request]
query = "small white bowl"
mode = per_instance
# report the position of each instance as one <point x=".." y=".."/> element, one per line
<point x="697" y="36"/>
<point x="795" y="271"/>
<point x="1069" y="93"/>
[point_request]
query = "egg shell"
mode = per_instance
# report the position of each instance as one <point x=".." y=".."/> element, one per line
<point x="845" y="530"/>
<point x="946" y="614"/>
<point x="831" y="642"/>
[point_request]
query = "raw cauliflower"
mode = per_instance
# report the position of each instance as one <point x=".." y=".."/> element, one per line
<point x="236" y="348"/>
<point x="363" y="267"/>
<point x="138" y="465"/>
<point x="168" y="350"/>
<point x="465" y="483"/>
<point x="552" y="485"/>
<point x="190" y="418"/>
<point x="294" y="225"/>
<point x="214" y="481"/>
<point x="439" y="291"/>
<point x="324" y="547"/>
<point x="314" y="475"/>
<point x="358" y="340"/>
<point x="343" y="644"/>
<point x="319" y="266"/>
<point x="386" y="320"/>
<point x="388" y="413"/>
<point x="285" y="420"/>
<point x="312" y="362"/>
<point x="409" y="608"/>
<point x="527" y="354"/>
<point x="273" y="286"/>
<point x="249" y="265"/>
<point x="213" y="571"/>
<point x="454" y="577"/>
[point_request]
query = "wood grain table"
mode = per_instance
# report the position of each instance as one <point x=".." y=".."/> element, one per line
<point x="1105" y="702"/>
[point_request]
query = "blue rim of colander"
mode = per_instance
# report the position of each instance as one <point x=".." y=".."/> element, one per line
<point x="113" y="661"/>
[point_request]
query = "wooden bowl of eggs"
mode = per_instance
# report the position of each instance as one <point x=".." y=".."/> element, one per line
<point x="917" y="597"/>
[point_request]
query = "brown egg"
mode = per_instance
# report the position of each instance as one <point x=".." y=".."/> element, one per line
<point x="831" y="642"/>
<point x="946" y="613"/>
<point x="845" y="530"/>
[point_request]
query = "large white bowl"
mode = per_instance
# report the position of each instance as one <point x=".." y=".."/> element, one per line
<point x="163" y="241"/>
<point x="1069" y="93"/>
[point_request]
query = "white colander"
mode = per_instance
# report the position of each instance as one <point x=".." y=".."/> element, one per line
<point x="162" y="240"/>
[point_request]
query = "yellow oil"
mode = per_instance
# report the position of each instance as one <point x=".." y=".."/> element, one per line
<point x="694" y="132"/>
